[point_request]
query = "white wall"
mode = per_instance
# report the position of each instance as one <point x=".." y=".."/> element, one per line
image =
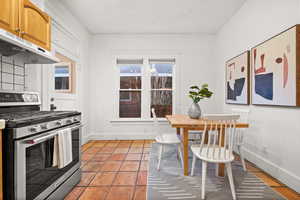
<point x="194" y="66"/>
<point x="71" y="39"/>
<point x="272" y="141"/>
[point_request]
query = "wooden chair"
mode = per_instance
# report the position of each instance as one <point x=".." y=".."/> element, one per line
<point x="213" y="150"/>
<point x="244" y="118"/>
<point x="165" y="139"/>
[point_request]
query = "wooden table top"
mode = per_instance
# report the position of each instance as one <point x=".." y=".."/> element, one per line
<point x="184" y="121"/>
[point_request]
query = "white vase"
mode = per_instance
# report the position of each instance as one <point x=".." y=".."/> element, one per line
<point x="194" y="111"/>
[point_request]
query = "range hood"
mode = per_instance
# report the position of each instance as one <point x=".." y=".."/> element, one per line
<point x="11" y="45"/>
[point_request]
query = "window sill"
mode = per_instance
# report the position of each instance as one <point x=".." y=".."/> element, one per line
<point x="137" y="120"/>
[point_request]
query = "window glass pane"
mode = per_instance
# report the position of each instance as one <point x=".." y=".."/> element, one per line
<point x="61" y="71"/>
<point x="62" y="77"/>
<point x="161" y="75"/>
<point x="130" y="82"/>
<point x="130" y="77"/>
<point x="161" y="101"/>
<point x="130" y="104"/>
<point x="61" y="83"/>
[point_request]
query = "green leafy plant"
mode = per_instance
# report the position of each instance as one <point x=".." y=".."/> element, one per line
<point x="196" y="93"/>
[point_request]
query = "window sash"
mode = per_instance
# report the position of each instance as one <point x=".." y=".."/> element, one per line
<point x="162" y="104"/>
<point x="146" y="89"/>
<point x="130" y="107"/>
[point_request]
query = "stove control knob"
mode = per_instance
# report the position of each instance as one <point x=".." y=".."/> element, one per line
<point x="75" y="119"/>
<point x="58" y="123"/>
<point x="44" y="126"/>
<point x="33" y="129"/>
<point x="69" y="121"/>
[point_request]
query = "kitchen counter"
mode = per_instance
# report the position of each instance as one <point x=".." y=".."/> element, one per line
<point x="2" y="126"/>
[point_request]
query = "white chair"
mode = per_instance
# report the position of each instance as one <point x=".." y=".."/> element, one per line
<point x="244" y="118"/>
<point x="194" y="135"/>
<point x="165" y="139"/>
<point x="213" y="150"/>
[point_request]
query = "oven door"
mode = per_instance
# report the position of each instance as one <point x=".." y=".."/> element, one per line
<point x="35" y="177"/>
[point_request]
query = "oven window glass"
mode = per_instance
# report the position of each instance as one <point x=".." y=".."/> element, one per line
<point x="40" y="173"/>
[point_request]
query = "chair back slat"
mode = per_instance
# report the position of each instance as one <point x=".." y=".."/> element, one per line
<point x="155" y="122"/>
<point x="218" y="128"/>
<point x="244" y="118"/>
<point x="215" y="141"/>
<point x="220" y="136"/>
<point x="203" y="137"/>
<point x="227" y="132"/>
<point x="209" y="136"/>
<point x="231" y="136"/>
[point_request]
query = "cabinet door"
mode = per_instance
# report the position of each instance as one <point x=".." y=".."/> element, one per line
<point x="9" y="16"/>
<point x="35" y="25"/>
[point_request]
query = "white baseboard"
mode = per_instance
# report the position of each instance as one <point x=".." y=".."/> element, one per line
<point x="85" y="140"/>
<point x="286" y="177"/>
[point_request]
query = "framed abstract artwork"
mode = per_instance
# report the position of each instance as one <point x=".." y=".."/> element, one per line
<point x="276" y="70"/>
<point x="237" y="79"/>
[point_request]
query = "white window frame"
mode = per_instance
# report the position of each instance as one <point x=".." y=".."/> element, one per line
<point x="145" y="89"/>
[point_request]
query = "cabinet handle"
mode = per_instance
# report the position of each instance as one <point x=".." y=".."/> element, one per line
<point x="18" y="30"/>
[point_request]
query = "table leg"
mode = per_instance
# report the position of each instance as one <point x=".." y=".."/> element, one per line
<point x="221" y="166"/>
<point x="205" y="137"/>
<point x="178" y="131"/>
<point x="186" y="151"/>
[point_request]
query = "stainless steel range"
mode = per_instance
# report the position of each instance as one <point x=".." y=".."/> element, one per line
<point x="28" y="143"/>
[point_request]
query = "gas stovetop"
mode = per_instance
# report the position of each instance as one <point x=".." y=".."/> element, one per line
<point x="22" y="113"/>
<point x="30" y="115"/>
<point x="19" y="119"/>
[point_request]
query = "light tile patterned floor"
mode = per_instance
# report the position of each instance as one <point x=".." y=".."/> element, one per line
<point x="117" y="170"/>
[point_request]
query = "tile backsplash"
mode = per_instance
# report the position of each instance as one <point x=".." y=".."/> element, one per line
<point x="13" y="74"/>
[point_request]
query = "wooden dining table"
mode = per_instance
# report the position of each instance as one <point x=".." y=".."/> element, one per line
<point x="183" y="125"/>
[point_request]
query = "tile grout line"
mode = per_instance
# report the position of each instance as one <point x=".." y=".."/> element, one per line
<point x="110" y="186"/>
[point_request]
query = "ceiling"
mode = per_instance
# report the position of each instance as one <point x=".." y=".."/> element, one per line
<point x="153" y="16"/>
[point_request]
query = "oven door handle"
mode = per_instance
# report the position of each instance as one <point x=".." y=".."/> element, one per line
<point x="40" y="139"/>
<point x="50" y="135"/>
